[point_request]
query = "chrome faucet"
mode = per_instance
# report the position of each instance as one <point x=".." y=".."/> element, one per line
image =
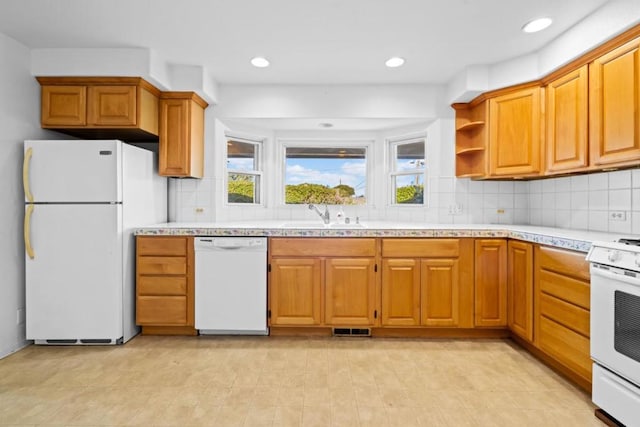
<point x="326" y="217"/>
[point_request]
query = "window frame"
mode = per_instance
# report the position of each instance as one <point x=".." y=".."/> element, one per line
<point x="392" y="150"/>
<point x="258" y="172"/>
<point x="366" y="143"/>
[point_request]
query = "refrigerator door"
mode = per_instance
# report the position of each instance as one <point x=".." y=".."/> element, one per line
<point x="74" y="281"/>
<point x="72" y="171"/>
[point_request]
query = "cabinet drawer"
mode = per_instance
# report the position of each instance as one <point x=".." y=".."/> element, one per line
<point x="176" y="246"/>
<point x="568" y="347"/>
<point x="162" y="285"/>
<point x="162" y="265"/>
<point x="353" y="247"/>
<point x="431" y="248"/>
<point x="161" y="310"/>
<point x="571" y="290"/>
<point x="569" y="315"/>
<point x="564" y="262"/>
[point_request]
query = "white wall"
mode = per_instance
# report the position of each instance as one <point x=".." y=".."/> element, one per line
<point x="19" y="120"/>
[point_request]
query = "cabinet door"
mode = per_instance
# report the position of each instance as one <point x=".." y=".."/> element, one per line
<point x="295" y="291"/>
<point x="615" y="106"/>
<point x="567" y="119"/>
<point x="440" y="292"/>
<point x="111" y="106"/>
<point x="514" y="133"/>
<point x="491" y="282"/>
<point x="349" y="291"/>
<point x="400" y="292"/>
<point x="174" y="153"/>
<point x="63" y="106"/>
<point x="520" y="289"/>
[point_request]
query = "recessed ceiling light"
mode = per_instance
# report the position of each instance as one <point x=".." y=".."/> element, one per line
<point x="325" y="125"/>
<point x="536" y="25"/>
<point x="394" y="62"/>
<point x="260" y="62"/>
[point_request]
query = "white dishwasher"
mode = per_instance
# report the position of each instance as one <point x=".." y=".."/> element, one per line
<point x="231" y="285"/>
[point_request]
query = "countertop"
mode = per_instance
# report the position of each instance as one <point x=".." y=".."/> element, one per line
<point x="578" y="240"/>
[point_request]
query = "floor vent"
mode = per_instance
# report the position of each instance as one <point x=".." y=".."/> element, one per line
<point x="351" y="332"/>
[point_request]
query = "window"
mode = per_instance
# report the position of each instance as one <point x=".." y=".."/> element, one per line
<point x="332" y="175"/>
<point x="244" y="171"/>
<point x="408" y="171"/>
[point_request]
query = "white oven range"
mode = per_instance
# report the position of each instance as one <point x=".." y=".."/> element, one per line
<point x="615" y="328"/>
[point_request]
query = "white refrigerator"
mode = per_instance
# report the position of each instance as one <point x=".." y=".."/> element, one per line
<point x="82" y="201"/>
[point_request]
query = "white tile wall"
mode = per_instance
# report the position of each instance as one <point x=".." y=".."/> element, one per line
<point x="588" y="201"/>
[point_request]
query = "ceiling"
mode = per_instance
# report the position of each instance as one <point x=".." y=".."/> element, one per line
<point x="307" y="41"/>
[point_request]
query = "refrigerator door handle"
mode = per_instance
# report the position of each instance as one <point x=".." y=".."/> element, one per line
<point x="25" y="174"/>
<point x="27" y="232"/>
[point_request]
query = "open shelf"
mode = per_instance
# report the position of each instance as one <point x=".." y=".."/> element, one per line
<point x="470" y="125"/>
<point x="471" y="140"/>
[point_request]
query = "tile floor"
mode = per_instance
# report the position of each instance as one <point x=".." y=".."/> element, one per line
<point x="261" y="381"/>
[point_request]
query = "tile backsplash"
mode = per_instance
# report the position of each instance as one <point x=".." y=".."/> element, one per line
<point x="607" y="201"/>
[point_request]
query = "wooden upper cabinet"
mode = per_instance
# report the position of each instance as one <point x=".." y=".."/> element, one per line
<point x="64" y="105"/>
<point x="181" y="146"/>
<point x="567" y="122"/>
<point x="520" y="288"/>
<point x="491" y="282"/>
<point x="615" y="107"/>
<point x="112" y="106"/>
<point x="100" y="107"/>
<point x="350" y="291"/>
<point x="514" y="133"/>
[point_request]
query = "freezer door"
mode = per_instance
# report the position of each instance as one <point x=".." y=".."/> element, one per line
<point x="74" y="281"/>
<point x="72" y="171"/>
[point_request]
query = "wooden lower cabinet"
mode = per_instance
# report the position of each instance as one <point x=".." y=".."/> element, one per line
<point x="400" y="292"/>
<point x="562" y="310"/>
<point x="323" y="282"/>
<point x="295" y="291"/>
<point x="520" y="289"/>
<point x="165" y="285"/>
<point x="350" y="291"/>
<point x="490" y="282"/>
<point x="426" y="287"/>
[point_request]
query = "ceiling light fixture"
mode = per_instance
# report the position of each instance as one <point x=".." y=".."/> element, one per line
<point x="325" y="125"/>
<point x="259" y="62"/>
<point x="536" y="25"/>
<point x="394" y="62"/>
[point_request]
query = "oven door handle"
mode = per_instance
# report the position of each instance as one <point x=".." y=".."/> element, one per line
<point x="595" y="271"/>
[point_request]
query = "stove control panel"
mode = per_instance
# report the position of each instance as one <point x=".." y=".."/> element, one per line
<point x="615" y="255"/>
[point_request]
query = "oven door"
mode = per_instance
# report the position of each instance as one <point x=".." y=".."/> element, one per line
<point x="615" y="321"/>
